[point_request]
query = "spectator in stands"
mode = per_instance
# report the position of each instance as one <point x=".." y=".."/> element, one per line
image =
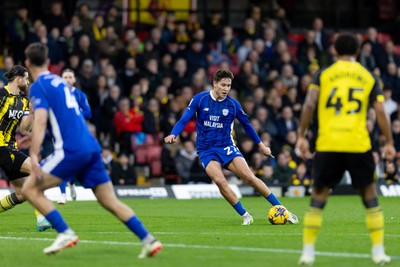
<point x="129" y="75"/>
<point x="152" y="118"/>
<point x="306" y="44"/>
<point x="372" y="37"/>
<point x="301" y="176"/>
<point x="171" y="116"/>
<point x="249" y="30"/>
<point x="67" y="42"/>
<point x="288" y="77"/>
<point x="85" y="49"/>
<point x="229" y="43"/>
<point x="267" y="125"/>
<point x="41" y="35"/>
<point x="84" y="16"/>
<point x="161" y="95"/>
<point x="111" y="76"/>
<point x="56" y="18"/>
<point x="180" y="76"/>
<point x="388" y="56"/>
<point x="246" y="146"/>
<point x="77" y="29"/>
<point x="389" y="104"/>
<point x="182" y="35"/>
<point x="321" y="36"/>
<point x="366" y="58"/>
<point x="123" y="172"/>
<point x="110" y="45"/>
<point x="243" y="50"/>
<point x="127" y="122"/>
<point x="269" y="38"/>
<point x="256" y="164"/>
<point x="153" y="76"/>
<point x="214" y="26"/>
<point x="98" y="29"/>
<point x="282" y="22"/>
<point x="286" y="123"/>
<point x="292" y="99"/>
<point x="196" y="57"/>
<point x="8" y="63"/>
<point x="108" y="160"/>
<point x="19" y="29"/>
<point x="108" y="109"/>
<point x="391" y="79"/>
<point x="184" y="159"/>
<point x="282" y="172"/>
<point x="114" y="19"/>
<point x="267" y="173"/>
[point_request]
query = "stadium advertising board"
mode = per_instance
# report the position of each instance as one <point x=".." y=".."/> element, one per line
<point x="389" y="190"/>
<point x="143" y="192"/>
<point x="201" y="191"/>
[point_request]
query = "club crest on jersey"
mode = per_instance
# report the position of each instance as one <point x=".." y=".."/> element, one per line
<point x="225" y="111"/>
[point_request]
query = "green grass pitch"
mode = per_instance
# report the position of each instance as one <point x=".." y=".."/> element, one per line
<point x="198" y="233"/>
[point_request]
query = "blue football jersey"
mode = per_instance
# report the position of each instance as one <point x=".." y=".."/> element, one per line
<point x="82" y="102"/>
<point x="65" y="121"/>
<point x="214" y="121"/>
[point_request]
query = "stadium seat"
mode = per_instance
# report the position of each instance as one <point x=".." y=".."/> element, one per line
<point x="172" y="179"/>
<point x="156" y="168"/>
<point x="296" y="37"/>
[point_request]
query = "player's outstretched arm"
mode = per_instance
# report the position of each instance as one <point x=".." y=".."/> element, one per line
<point x="384" y="125"/>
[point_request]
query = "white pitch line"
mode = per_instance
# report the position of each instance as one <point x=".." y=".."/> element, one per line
<point x="231" y="248"/>
<point x="224" y="234"/>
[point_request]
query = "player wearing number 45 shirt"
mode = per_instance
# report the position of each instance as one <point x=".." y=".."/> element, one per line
<point x="215" y="114"/>
<point x="342" y="94"/>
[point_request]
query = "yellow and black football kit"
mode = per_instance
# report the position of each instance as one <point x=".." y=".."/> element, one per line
<point x="12" y="109"/>
<point x="346" y="90"/>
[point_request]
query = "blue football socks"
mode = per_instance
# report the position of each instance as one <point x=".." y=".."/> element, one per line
<point x="239" y="208"/>
<point x="57" y="221"/>
<point x="136" y="226"/>
<point x="273" y="200"/>
<point x="63" y="187"/>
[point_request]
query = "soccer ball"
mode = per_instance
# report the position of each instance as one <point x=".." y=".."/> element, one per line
<point x="278" y="215"/>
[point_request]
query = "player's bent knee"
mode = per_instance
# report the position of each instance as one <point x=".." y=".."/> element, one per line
<point x="221" y="182"/>
<point x="249" y="179"/>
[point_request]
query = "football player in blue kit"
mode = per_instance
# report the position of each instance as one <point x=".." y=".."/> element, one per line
<point x="215" y="114"/>
<point x="68" y="76"/>
<point x="76" y="154"/>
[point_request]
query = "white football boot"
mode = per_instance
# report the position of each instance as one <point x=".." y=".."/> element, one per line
<point x="247" y="219"/>
<point x="150" y="249"/>
<point x="63" y="241"/>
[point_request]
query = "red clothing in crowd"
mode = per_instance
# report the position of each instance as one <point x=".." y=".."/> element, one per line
<point x="130" y="122"/>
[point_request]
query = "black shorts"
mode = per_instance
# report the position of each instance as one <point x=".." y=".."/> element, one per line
<point x="11" y="161"/>
<point x="329" y="168"/>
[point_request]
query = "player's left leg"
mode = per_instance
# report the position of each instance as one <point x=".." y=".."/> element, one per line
<point x="106" y="196"/>
<point x="239" y="166"/>
<point x="33" y="190"/>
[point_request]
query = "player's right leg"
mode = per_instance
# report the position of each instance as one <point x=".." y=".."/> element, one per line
<point x="10" y="201"/>
<point x="106" y="196"/>
<point x="312" y="224"/>
<point x="214" y="171"/>
<point x="33" y="190"/>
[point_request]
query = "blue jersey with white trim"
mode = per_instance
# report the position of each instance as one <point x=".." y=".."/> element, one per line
<point x="65" y="120"/>
<point x="215" y="121"/>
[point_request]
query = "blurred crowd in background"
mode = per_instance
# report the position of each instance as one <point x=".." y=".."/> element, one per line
<point x="139" y="83"/>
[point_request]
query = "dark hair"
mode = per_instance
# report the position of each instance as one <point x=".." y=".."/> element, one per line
<point x="15" y="71"/>
<point x="37" y="54"/>
<point x="222" y="74"/>
<point x="68" y="70"/>
<point x="346" y="44"/>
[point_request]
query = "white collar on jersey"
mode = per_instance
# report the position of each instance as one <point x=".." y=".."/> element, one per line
<point x="215" y="98"/>
<point x="44" y="73"/>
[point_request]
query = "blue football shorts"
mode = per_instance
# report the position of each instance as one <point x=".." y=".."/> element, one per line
<point x="223" y="155"/>
<point x="87" y="168"/>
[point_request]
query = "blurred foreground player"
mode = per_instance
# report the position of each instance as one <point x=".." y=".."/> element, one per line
<point x="76" y="154"/>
